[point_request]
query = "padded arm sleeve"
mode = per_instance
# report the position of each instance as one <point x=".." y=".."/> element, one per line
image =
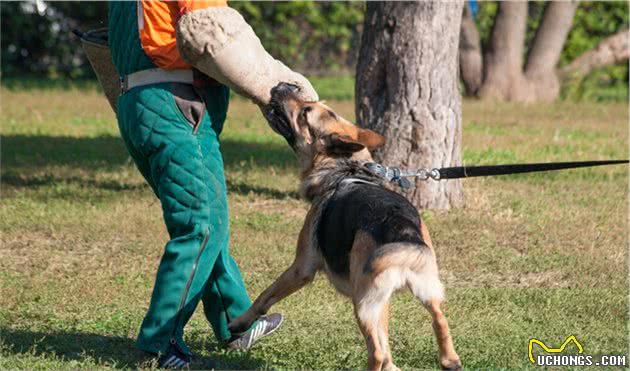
<point x="220" y="43"/>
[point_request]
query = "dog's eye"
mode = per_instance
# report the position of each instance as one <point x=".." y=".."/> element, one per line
<point x="305" y="110"/>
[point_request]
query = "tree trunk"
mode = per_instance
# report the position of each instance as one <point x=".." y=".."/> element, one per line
<point x="611" y="50"/>
<point x="544" y="54"/>
<point x="503" y="61"/>
<point x="470" y="61"/>
<point x="503" y="75"/>
<point x="407" y="90"/>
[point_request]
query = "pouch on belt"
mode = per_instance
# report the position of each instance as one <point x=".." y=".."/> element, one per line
<point x="96" y="48"/>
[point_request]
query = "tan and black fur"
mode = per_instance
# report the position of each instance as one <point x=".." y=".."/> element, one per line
<point x="368" y="240"/>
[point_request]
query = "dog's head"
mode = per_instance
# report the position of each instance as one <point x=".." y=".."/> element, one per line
<point x="314" y="131"/>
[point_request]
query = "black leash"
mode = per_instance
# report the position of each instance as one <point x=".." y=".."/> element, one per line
<point x="394" y="174"/>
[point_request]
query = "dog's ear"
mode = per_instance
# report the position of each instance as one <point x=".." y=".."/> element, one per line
<point x="342" y="145"/>
<point x="370" y="139"/>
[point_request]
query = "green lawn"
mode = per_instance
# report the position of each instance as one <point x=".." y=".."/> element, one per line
<point x="541" y="255"/>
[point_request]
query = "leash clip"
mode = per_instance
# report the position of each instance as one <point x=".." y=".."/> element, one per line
<point x="399" y="177"/>
<point x="422" y="174"/>
<point x="425" y="174"/>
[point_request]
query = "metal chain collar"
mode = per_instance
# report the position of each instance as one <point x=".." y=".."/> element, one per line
<point x="395" y="175"/>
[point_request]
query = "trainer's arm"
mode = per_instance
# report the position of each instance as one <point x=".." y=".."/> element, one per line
<point x="219" y="42"/>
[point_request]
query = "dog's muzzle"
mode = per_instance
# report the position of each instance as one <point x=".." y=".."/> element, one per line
<point x="276" y="114"/>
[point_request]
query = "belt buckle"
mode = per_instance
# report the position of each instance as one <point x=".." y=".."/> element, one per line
<point x="123" y="85"/>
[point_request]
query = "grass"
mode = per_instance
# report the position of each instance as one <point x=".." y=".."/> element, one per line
<point x="540" y="255"/>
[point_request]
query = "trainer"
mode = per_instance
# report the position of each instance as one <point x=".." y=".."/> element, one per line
<point x="170" y="117"/>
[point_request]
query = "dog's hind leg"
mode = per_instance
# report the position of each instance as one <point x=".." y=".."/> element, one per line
<point x="449" y="360"/>
<point x="368" y="309"/>
<point x="427" y="287"/>
<point x="383" y="336"/>
<point x="370" y="296"/>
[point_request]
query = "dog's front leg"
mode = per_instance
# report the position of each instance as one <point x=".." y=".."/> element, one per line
<point x="289" y="282"/>
<point x="300" y="273"/>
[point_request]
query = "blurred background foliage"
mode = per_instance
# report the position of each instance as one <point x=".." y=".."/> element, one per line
<point x="37" y="38"/>
<point x="593" y="21"/>
<point x="319" y="38"/>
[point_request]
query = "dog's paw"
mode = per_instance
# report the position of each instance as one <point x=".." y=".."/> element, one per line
<point x="452" y="364"/>
<point x="390" y="367"/>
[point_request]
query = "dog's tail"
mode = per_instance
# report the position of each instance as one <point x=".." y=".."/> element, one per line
<point x="399" y="255"/>
<point x="407" y="264"/>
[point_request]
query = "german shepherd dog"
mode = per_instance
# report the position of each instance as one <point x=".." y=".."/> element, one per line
<point x="368" y="240"/>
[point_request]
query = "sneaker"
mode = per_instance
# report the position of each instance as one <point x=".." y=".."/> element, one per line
<point x="265" y="325"/>
<point x="174" y="360"/>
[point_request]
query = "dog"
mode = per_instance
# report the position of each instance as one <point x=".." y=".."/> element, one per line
<point x="368" y="239"/>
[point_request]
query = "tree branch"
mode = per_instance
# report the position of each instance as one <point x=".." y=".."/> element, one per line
<point x="611" y="50"/>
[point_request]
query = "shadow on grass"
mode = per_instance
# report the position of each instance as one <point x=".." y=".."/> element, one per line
<point x="21" y="181"/>
<point x="34" y="152"/>
<point x="258" y="155"/>
<point x="28" y="161"/>
<point x="38" y="151"/>
<point x="245" y="189"/>
<point x="115" y="351"/>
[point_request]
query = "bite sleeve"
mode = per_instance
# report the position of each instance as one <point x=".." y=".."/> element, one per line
<point x="219" y="42"/>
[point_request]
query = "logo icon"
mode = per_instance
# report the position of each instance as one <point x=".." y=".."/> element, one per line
<point x="552" y="350"/>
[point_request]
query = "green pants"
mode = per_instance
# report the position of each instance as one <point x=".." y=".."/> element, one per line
<point x="175" y="145"/>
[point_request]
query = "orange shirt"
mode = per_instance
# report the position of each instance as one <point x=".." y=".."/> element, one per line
<point x="156" y="26"/>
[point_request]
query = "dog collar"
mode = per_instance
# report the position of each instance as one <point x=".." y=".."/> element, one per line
<point x="391" y="174"/>
<point x="347" y="181"/>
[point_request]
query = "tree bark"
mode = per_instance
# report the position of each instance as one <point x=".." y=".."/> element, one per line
<point x="503" y="61"/>
<point x="470" y="60"/>
<point x="407" y="90"/>
<point x="544" y="54"/>
<point x="611" y="50"/>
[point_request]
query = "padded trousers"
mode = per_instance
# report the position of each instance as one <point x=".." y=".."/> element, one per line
<point x="172" y="134"/>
